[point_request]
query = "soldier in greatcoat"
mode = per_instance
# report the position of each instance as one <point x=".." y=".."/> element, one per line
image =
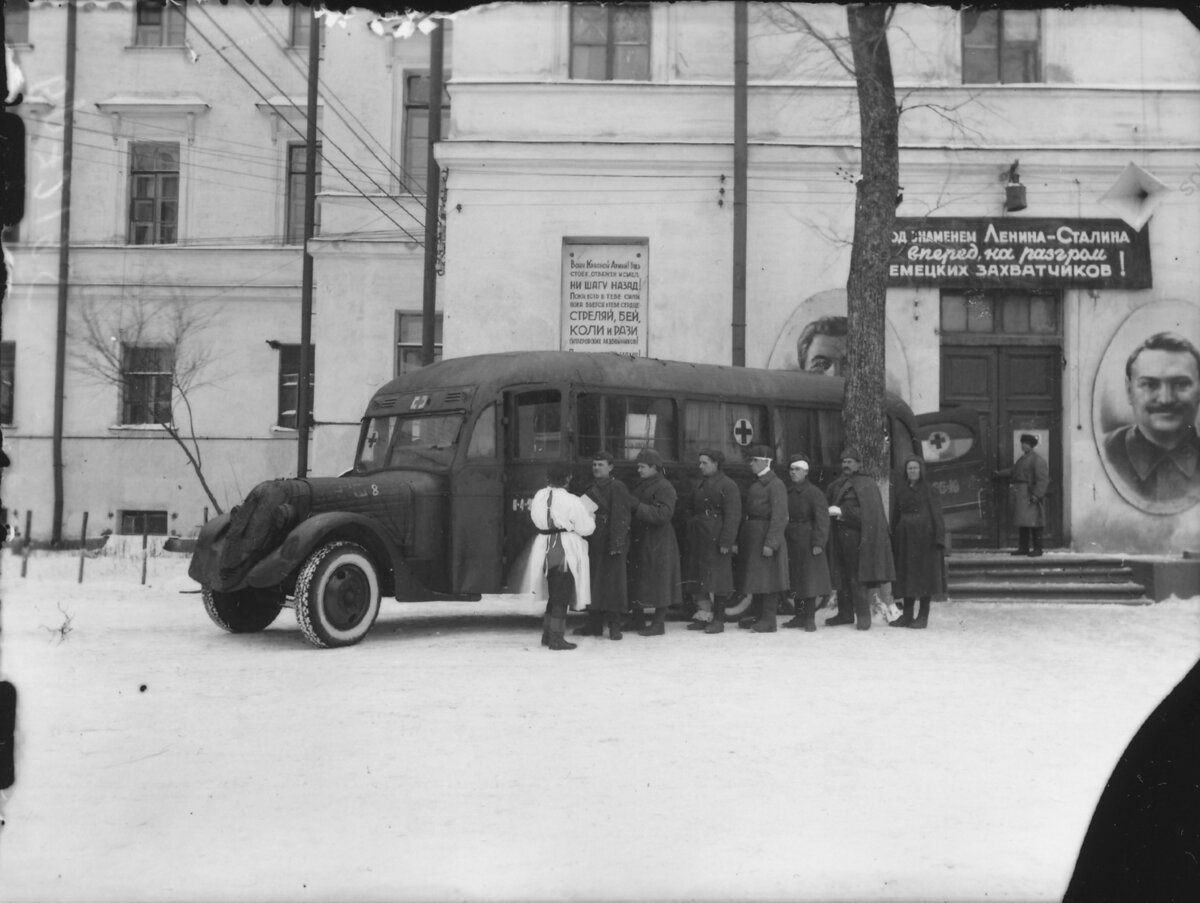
<point x="712" y="528"/>
<point x="607" y="549"/>
<point x="655" y="576"/>
<point x="807" y="534"/>
<point x="1029" y="478"/>
<point x="762" y="550"/>
<point x="862" y="556"/>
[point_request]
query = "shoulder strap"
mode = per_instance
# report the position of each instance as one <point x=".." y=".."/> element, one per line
<point x="549" y="518"/>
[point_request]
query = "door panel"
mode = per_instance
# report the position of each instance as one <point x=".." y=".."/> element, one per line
<point x="1014" y="390"/>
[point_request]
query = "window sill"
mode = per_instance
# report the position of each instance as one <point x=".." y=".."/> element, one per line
<point x="285" y="431"/>
<point x="136" y="428"/>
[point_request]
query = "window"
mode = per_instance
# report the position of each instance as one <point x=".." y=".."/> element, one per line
<point x="16" y="21"/>
<point x="302" y="24"/>
<point x="10" y="235"/>
<point x="610" y="42"/>
<point x="147" y="374"/>
<point x="625" y="424"/>
<point x="728" y="426"/>
<point x="160" y="24"/>
<point x="8" y="375"/>
<point x="289" y="384"/>
<point x="297" y="164"/>
<point x="1001" y="312"/>
<point x="416" y="130"/>
<point x="137" y="523"/>
<point x="483" y="436"/>
<point x="819" y="434"/>
<point x="153" y="193"/>
<point x="538" y="425"/>
<point x="409" y="328"/>
<point x="1000" y="45"/>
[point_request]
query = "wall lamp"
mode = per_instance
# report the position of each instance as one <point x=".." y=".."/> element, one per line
<point x="1014" y="191"/>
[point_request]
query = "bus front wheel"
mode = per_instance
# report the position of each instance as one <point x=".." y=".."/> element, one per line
<point x="337" y="595"/>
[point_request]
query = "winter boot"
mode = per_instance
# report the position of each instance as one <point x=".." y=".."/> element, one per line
<point x="558" y="643"/>
<point x="810" y="615"/>
<point x="845" y="611"/>
<point x="797" y="621"/>
<point x="1022" y="541"/>
<point x="862" y="609"/>
<point x="594" y="626"/>
<point x="636" y="619"/>
<point x="767" y="623"/>
<point x="921" y="621"/>
<point x="717" y="624"/>
<point x="906" y="616"/>
<point x="659" y="626"/>
<point x="1036" y="551"/>
<point x="545" y="637"/>
<point x="614" y="625"/>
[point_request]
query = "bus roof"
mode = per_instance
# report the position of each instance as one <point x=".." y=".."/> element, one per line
<point x="493" y="372"/>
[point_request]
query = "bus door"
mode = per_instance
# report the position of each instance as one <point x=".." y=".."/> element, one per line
<point x="477" y="509"/>
<point x="533" y="436"/>
<point x="959" y="466"/>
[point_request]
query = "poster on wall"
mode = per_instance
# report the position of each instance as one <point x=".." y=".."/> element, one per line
<point x="604" y="295"/>
<point x="1145" y="403"/>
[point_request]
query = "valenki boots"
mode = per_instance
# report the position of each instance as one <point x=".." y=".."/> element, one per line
<point x="767" y="623"/>
<point x="659" y="626"/>
<point x="1022" y="541"/>
<point x="810" y="615"/>
<point x="614" y="625"/>
<point x="921" y="621"/>
<point x="717" y="624"/>
<point x="798" y="621"/>
<point x="906" y="614"/>
<point x="1036" y="551"/>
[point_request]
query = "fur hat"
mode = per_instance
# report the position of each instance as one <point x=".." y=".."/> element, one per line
<point x="1029" y="439"/>
<point x="852" y="453"/>
<point x="649" y="456"/>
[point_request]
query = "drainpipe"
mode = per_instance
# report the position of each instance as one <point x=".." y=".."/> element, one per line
<point x="432" y="194"/>
<point x="64" y="273"/>
<point x="741" y="53"/>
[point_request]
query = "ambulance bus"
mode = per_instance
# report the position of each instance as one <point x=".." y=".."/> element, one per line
<point x="449" y="457"/>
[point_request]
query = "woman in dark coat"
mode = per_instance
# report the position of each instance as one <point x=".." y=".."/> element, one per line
<point x="655" y="576"/>
<point x="807" y="534"/>
<point x="918" y="543"/>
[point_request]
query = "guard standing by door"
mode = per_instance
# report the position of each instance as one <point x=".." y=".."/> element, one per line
<point x="1029" y="479"/>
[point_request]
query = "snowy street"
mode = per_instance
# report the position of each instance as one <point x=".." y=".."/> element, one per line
<point x="450" y="757"/>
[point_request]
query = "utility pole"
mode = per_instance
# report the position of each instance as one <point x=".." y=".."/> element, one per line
<point x="303" y="399"/>
<point x="741" y="54"/>
<point x="432" y="194"/>
<point x="64" y="277"/>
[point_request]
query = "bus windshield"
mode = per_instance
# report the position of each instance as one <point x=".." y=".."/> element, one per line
<point x="408" y="440"/>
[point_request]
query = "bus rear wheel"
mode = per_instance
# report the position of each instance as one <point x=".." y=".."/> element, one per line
<point x="247" y="610"/>
<point x="337" y="595"/>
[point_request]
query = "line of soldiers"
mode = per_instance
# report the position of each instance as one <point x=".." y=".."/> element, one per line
<point x="771" y="541"/>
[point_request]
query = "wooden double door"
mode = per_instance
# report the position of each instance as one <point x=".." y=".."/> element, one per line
<point x="1014" y="389"/>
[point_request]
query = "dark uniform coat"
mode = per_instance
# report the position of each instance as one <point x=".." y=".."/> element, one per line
<point x="1030" y="478"/>
<point x="918" y="538"/>
<point x="808" y="526"/>
<point x="608" y="545"/>
<point x="655" y="576"/>
<point x="865" y="521"/>
<point x="716" y="515"/>
<point x="766" y="511"/>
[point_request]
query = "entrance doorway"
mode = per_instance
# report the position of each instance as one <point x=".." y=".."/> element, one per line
<point x="1002" y="357"/>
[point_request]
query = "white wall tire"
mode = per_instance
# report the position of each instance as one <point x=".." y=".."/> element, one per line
<point x="337" y="595"/>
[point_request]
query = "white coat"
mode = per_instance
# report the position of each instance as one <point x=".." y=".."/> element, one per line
<point x="573" y="518"/>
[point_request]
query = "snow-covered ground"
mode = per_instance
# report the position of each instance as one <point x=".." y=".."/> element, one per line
<point x="450" y="757"/>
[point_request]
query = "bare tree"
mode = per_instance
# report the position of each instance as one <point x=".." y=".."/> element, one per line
<point x="106" y="331"/>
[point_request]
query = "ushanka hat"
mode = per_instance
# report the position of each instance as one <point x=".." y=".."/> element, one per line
<point x="852" y="453"/>
<point x="1029" y="439"/>
<point x="649" y="456"/>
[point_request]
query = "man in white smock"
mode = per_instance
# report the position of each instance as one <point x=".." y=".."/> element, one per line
<point x="558" y="558"/>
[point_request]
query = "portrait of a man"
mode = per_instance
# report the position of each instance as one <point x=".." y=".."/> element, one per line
<point x="821" y="347"/>
<point x="1157" y="456"/>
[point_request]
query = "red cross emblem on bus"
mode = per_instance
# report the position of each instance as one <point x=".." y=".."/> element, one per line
<point x="743" y="432"/>
<point x="939" y="440"/>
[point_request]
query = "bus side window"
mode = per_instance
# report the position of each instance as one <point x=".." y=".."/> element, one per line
<point x="797" y="428"/>
<point x="729" y="426"/>
<point x="832" y="437"/>
<point x="538" y="425"/>
<point x="483" y="436"/>
<point x="625" y="424"/>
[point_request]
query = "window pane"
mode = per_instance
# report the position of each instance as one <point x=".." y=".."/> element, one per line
<point x="954" y="313"/>
<point x="979" y="67"/>
<point x="631" y="24"/>
<point x="1015" y="313"/>
<point x="16" y="21"/>
<point x="981" y="28"/>
<point x="589" y="62"/>
<point x="539" y="425"/>
<point x="1043" y="314"/>
<point x="589" y="24"/>
<point x="8" y="375"/>
<point x="632" y="63"/>
<point x="715" y="424"/>
<point x="1018" y="64"/>
<point x="1020" y="25"/>
<point x="483" y="437"/>
<point x="980" y="314"/>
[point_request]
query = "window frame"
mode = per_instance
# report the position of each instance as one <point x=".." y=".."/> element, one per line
<point x="169" y="31"/>
<point x="288" y="393"/>
<point x="999" y="47"/>
<point x="143" y="516"/>
<point x="159" y="178"/>
<point x="8" y="382"/>
<point x="624" y="447"/>
<point x="295" y="164"/>
<point x="399" y="366"/>
<point x="134" y="384"/>
<point x="16" y="13"/>
<point x="416" y="111"/>
<point x="610" y="42"/>
<point x="299" y="24"/>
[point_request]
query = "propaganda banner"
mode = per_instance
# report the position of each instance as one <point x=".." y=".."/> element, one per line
<point x="604" y="295"/>
<point x="1025" y="253"/>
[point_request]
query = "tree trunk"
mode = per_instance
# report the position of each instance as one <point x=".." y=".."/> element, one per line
<point x="874" y="217"/>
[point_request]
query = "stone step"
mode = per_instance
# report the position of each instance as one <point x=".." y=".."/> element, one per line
<point x="1064" y="590"/>
<point x="1077" y="574"/>
<point x="1039" y="598"/>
